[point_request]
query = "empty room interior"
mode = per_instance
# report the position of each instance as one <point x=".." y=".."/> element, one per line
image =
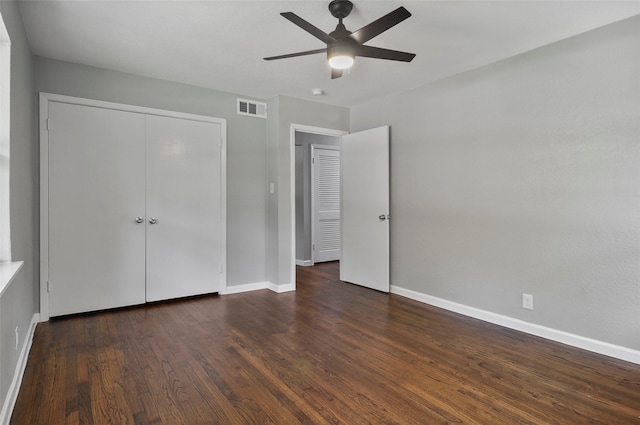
<point x="319" y="212"/>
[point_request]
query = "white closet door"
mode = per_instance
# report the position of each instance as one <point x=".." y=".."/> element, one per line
<point x="96" y="191"/>
<point x="326" y="204"/>
<point x="184" y="249"/>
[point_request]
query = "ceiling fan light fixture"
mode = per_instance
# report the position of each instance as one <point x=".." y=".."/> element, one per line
<point x="340" y="57"/>
<point x="341" y="62"/>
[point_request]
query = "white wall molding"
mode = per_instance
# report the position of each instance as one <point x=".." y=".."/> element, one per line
<point x="14" y="388"/>
<point x="304" y="263"/>
<point x="282" y="288"/>
<point x="248" y="287"/>
<point x="600" y="347"/>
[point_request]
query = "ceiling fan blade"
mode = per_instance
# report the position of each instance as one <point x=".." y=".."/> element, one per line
<point x="336" y="73"/>
<point x="293" y="55"/>
<point x="380" y="53"/>
<point x="379" y="26"/>
<point x="314" y="31"/>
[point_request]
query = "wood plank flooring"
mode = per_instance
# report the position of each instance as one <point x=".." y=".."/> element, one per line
<point x="329" y="353"/>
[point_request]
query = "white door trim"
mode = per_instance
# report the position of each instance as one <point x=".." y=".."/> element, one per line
<point x="45" y="98"/>
<point x="292" y="173"/>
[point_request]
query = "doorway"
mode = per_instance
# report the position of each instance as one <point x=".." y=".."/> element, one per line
<point x="316" y="229"/>
<point x="364" y="177"/>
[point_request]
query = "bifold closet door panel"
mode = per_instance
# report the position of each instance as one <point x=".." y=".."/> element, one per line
<point x="184" y="250"/>
<point x="96" y="192"/>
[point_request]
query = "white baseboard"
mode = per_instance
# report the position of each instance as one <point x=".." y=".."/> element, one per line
<point x="14" y="388"/>
<point x="236" y="289"/>
<point x="304" y="263"/>
<point x="248" y="287"/>
<point x="282" y="288"/>
<point x="600" y="347"/>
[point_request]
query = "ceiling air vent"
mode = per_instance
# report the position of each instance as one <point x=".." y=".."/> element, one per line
<point x="252" y="108"/>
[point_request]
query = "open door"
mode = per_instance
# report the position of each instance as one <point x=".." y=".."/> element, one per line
<point x="365" y="208"/>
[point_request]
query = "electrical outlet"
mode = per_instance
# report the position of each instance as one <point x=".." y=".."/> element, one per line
<point x="17" y="338"/>
<point x="527" y="301"/>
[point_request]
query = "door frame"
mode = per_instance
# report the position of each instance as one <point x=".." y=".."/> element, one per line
<point x="45" y="99"/>
<point x="292" y="172"/>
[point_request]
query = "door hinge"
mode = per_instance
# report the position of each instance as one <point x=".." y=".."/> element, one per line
<point x="48" y="124"/>
<point x="313" y="247"/>
<point x="48" y="286"/>
<point x="221" y="268"/>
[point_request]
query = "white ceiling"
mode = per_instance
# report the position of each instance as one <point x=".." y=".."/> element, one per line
<point x="220" y="44"/>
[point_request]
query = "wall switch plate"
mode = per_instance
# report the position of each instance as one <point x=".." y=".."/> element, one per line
<point x="527" y="301"/>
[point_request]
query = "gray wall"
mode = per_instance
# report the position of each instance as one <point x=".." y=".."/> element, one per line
<point x="284" y="111"/>
<point x="246" y="146"/>
<point x="302" y="209"/>
<point x="523" y="176"/>
<point x="303" y="144"/>
<point x="259" y="224"/>
<point x="19" y="303"/>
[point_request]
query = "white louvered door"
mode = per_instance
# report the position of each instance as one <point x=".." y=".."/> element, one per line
<point x="326" y="204"/>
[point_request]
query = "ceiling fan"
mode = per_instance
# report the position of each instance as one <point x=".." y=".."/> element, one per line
<point x="343" y="45"/>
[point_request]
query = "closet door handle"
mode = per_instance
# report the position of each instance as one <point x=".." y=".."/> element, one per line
<point x="139" y="220"/>
<point x="152" y="220"/>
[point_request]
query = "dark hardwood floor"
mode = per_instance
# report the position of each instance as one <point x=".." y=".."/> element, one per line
<point x="329" y="353"/>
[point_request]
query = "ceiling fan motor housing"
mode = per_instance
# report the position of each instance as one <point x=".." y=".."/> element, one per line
<point x="340" y="8"/>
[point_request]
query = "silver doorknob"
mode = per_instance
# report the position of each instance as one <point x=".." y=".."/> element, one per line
<point x="382" y="217"/>
<point x="152" y="220"/>
<point x="139" y="220"/>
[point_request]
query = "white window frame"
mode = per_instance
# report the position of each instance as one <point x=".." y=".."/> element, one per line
<point x="5" y="119"/>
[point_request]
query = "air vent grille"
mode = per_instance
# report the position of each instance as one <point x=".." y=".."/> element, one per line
<point x="252" y="108"/>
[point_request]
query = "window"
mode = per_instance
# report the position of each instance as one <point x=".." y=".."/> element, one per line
<point x="5" y="72"/>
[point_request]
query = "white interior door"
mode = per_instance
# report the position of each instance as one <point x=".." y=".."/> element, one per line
<point x="96" y="192"/>
<point x="325" y="183"/>
<point x="184" y="249"/>
<point x="365" y="208"/>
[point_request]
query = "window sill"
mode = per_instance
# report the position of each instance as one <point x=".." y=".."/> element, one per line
<point x="7" y="272"/>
